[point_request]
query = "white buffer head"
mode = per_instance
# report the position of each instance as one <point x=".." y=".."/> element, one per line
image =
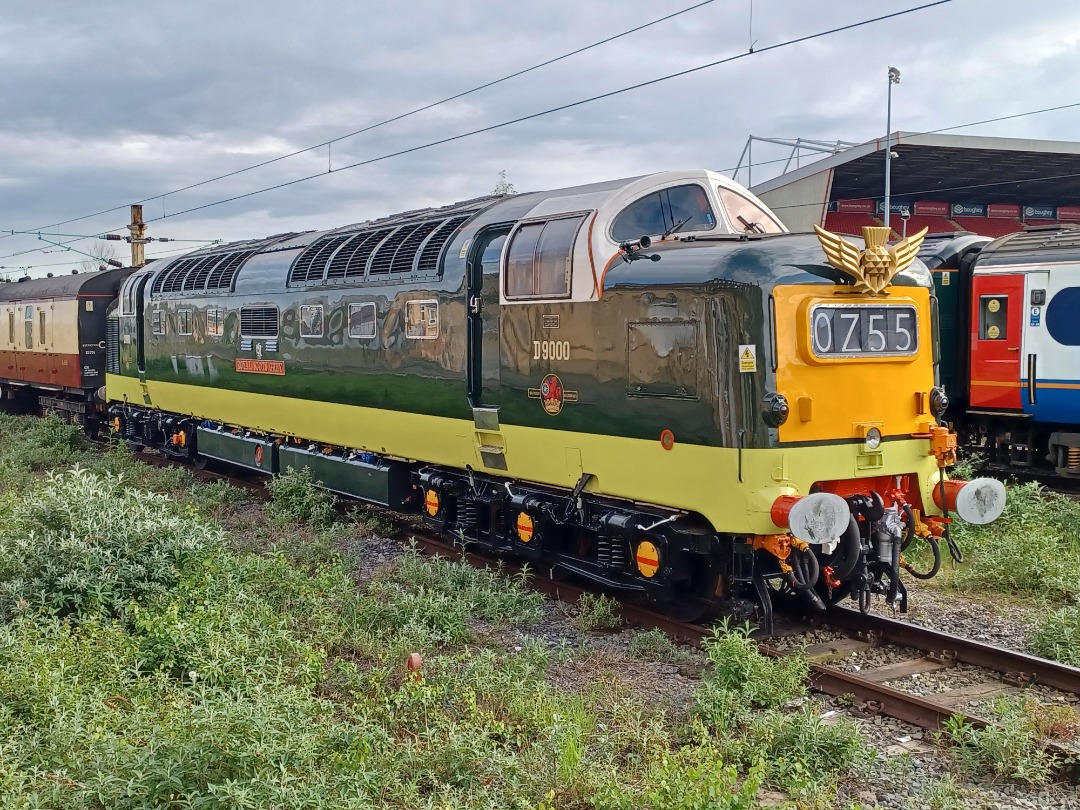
<point x="819" y="518"/>
<point x="981" y="501"/>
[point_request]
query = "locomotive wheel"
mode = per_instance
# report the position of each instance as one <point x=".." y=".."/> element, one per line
<point x="200" y="461"/>
<point x="690" y="610"/>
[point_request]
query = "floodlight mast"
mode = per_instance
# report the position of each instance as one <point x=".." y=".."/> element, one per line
<point x="894" y="78"/>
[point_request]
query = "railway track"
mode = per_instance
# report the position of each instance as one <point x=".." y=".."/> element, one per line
<point x="884" y="690"/>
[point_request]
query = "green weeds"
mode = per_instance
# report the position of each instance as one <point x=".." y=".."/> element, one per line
<point x="1032" y="550"/>
<point x="1059" y="636"/>
<point x="757" y="705"/>
<point x="1012" y="746"/>
<point x="297" y="499"/>
<point x="597" y="612"/>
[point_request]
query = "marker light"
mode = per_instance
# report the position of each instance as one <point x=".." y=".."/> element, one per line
<point x="939" y="401"/>
<point x="873" y="439"/>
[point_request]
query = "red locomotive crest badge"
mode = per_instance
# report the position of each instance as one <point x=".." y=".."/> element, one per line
<point x="551" y="394"/>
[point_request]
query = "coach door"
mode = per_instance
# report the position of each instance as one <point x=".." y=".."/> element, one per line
<point x="485" y="394"/>
<point x="998" y="307"/>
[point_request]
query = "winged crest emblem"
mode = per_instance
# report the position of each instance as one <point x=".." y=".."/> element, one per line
<point x="873" y="267"/>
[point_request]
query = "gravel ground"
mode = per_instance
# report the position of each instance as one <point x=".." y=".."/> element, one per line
<point x="990" y="619"/>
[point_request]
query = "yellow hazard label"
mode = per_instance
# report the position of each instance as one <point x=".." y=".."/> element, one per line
<point x="993" y="305"/>
<point x="747" y="358"/>
<point x="431" y="502"/>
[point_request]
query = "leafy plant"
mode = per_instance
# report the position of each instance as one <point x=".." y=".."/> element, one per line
<point x="296" y="498"/>
<point x="656" y="645"/>
<point x="1058" y="637"/>
<point x="597" y="612"/>
<point x="88" y="544"/>
<point x="1011" y="746"/>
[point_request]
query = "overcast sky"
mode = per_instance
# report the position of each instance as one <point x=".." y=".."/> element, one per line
<point x="104" y="104"/>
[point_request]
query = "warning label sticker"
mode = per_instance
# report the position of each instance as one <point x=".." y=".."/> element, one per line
<point x="747" y="358"/>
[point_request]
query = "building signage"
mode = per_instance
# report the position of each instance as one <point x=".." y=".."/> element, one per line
<point x="929" y="208"/>
<point x="894" y="207"/>
<point x="1003" y="211"/>
<point x="855" y="206"/>
<point x="1038" y="212"/>
<point x="248" y="366"/>
<point x="1068" y="213"/>
<point x="968" y="210"/>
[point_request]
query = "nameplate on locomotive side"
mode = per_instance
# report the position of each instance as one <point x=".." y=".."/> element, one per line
<point x="248" y="366"/>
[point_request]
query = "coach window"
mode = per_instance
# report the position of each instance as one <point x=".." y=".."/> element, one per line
<point x="41" y="322"/>
<point x="671" y="210"/>
<point x="745" y="215"/>
<point x="157" y="323"/>
<point x="539" y="262"/>
<point x="11" y="327"/>
<point x="183" y="321"/>
<point x="28" y="326"/>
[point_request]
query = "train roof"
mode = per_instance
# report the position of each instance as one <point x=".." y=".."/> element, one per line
<point x="1053" y="243"/>
<point x="101" y="282"/>
<point x="403" y="245"/>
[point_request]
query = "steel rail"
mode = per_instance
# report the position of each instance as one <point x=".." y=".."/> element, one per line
<point x="1019" y="666"/>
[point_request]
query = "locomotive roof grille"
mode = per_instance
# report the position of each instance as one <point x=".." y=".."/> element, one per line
<point x="351" y="261"/>
<point x="399" y="249"/>
<point x="428" y="263"/>
<point x="212" y="273"/>
<point x="223" y="275"/>
<point x="404" y="256"/>
<point x="384" y="253"/>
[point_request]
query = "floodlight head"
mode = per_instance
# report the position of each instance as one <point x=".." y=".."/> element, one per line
<point x="894" y="75"/>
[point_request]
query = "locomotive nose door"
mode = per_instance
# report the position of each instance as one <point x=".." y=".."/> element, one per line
<point x="997" y="310"/>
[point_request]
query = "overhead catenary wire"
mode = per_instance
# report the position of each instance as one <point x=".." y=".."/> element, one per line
<point x="561" y="107"/>
<point x="395" y="118"/>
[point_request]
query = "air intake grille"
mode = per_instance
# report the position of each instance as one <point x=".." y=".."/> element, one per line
<point x="406" y="254"/>
<point x="201" y="273"/>
<point x="351" y="260"/>
<point x="433" y="248"/>
<point x="311" y="264"/>
<point x="258" y="322"/>
<point x="396" y="249"/>
<point x="112" y="345"/>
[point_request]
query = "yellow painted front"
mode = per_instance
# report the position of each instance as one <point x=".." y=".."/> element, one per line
<point x="835" y="399"/>
<point x="692" y="477"/>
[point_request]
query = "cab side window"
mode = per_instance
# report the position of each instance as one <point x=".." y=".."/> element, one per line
<point x="539" y="261"/>
<point x="745" y="215"/>
<point x="670" y="210"/>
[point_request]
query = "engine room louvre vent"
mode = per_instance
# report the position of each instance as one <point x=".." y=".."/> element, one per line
<point x="311" y="264"/>
<point x="351" y="261"/>
<point x="384" y="254"/>
<point x="406" y="253"/>
<point x="258" y="322"/>
<point x="201" y="273"/>
<point x="433" y="248"/>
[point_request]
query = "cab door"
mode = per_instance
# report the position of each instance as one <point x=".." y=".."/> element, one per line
<point x="997" y="310"/>
<point x="485" y="395"/>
